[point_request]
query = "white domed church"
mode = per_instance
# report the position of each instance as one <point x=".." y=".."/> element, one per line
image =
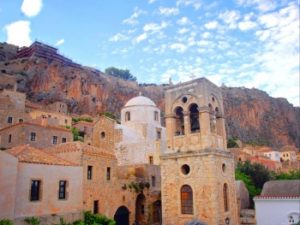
<point x="143" y="137"/>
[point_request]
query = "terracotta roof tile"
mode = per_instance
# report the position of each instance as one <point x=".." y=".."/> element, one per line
<point x="79" y="146"/>
<point x="28" y="154"/>
<point x="36" y="124"/>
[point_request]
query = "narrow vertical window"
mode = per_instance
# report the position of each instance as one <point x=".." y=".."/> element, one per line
<point x="63" y="140"/>
<point x="108" y="173"/>
<point x="32" y="136"/>
<point x="9" y="138"/>
<point x="127" y="116"/>
<point x="151" y="160"/>
<point x="89" y="172"/>
<point x="186" y="199"/>
<point x="225" y="196"/>
<point x="153" y="181"/>
<point x="62" y="189"/>
<point x="9" y="119"/>
<point x="96" y="207"/>
<point x="155" y="115"/>
<point x="54" y="140"/>
<point x="158" y="135"/>
<point x="35" y="190"/>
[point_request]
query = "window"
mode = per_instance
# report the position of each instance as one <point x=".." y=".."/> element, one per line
<point x="179" y="121"/>
<point x="127" y="116"/>
<point x="54" y="140"/>
<point x="108" y="173"/>
<point x="9" y="119"/>
<point x="151" y="160"/>
<point x="186" y="200"/>
<point x="225" y="196"/>
<point x="32" y="136"/>
<point x="63" y="140"/>
<point x="185" y="169"/>
<point x="66" y="121"/>
<point x="35" y="190"/>
<point x="62" y="189"/>
<point x="20" y="120"/>
<point x="153" y="181"/>
<point x="96" y="207"/>
<point x="158" y="135"/>
<point x="156" y="116"/>
<point x="194" y="118"/>
<point x="9" y="138"/>
<point x="102" y="134"/>
<point x="89" y="172"/>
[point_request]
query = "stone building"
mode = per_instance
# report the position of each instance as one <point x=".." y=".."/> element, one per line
<point x="197" y="170"/>
<point x="62" y="119"/>
<point x="142" y="136"/>
<point x="112" y="190"/>
<point x="35" y="183"/>
<point x="40" y="135"/>
<point x="12" y="108"/>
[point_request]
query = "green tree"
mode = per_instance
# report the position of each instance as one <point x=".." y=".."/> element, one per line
<point x="95" y="219"/>
<point x="32" y="220"/>
<point x="120" y="73"/>
<point x="291" y="175"/>
<point x="6" y="222"/>
<point x="231" y="143"/>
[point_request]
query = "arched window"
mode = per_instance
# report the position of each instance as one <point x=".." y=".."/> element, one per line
<point x="194" y="118"/>
<point x="186" y="194"/>
<point x="179" y="130"/>
<point x="127" y="116"/>
<point x="225" y="196"/>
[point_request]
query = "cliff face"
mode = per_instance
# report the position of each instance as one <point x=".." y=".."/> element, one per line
<point x="251" y="115"/>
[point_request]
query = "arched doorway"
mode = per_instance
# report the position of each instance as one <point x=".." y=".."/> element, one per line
<point x="156" y="216"/>
<point x="122" y="216"/>
<point x="140" y="216"/>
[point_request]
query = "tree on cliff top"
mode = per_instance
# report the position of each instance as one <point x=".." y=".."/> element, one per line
<point x="120" y="73"/>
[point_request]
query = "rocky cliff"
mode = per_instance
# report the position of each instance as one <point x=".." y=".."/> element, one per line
<point x="251" y="114"/>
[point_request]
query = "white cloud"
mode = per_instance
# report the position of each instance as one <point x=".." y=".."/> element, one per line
<point x="154" y="27"/>
<point x="178" y="47"/>
<point x="195" y="3"/>
<point x="206" y="35"/>
<point x="230" y="17"/>
<point x="141" y="37"/>
<point x="151" y="1"/>
<point x="211" y="25"/>
<point x="168" y="11"/>
<point x="261" y="5"/>
<point x="60" y="42"/>
<point x="132" y="20"/>
<point x="31" y="7"/>
<point x="118" y="37"/>
<point x="183" y="21"/>
<point x="247" y="25"/>
<point x="18" y="33"/>
<point x="183" y="30"/>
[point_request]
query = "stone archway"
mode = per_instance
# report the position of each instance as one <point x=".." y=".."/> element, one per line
<point x="122" y="216"/>
<point x="140" y="205"/>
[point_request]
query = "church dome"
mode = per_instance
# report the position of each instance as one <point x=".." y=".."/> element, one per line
<point x="140" y="101"/>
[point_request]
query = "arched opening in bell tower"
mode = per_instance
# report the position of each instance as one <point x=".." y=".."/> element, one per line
<point x="194" y="118"/>
<point x="179" y="125"/>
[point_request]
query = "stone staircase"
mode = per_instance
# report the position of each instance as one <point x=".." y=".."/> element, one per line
<point x="247" y="217"/>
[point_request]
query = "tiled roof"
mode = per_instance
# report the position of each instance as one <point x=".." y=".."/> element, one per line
<point x="79" y="146"/>
<point x="36" y="124"/>
<point x="278" y="197"/>
<point x="28" y="154"/>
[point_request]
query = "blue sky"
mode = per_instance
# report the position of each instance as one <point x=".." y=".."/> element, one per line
<point x="250" y="43"/>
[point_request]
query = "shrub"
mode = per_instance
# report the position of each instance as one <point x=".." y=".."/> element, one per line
<point x="95" y="219"/>
<point x="32" y="221"/>
<point x="6" y="222"/>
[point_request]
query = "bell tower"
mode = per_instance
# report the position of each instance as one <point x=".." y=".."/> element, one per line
<point x="197" y="169"/>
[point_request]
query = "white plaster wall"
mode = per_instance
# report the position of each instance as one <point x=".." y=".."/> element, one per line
<point x="49" y="203"/>
<point x="275" y="156"/>
<point x="8" y="178"/>
<point x="141" y="114"/>
<point x="276" y="211"/>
